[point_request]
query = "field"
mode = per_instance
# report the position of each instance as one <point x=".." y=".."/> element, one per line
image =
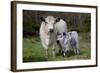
<point x="34" y="52"/>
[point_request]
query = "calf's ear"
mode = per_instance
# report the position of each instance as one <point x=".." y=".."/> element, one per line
<point x="42" y="19"/>
<point x="57" y="19"/>
<point x="64" y="33"/>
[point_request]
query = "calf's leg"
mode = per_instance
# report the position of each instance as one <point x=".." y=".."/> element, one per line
<point x="78" y="49"/>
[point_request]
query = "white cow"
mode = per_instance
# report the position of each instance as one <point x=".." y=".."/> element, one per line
<point x="68" y="41"/>
<point x="47" y="33"/>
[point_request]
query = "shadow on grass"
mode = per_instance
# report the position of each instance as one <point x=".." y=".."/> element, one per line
<point x="42" y="59"/>
<point x="34" y="59"/>
<point x="69" y="54"/>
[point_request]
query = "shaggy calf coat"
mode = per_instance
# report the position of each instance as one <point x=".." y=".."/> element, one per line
<point x="68" y="41"/>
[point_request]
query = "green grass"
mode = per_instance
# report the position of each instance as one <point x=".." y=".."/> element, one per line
<point x="34" y="52"/>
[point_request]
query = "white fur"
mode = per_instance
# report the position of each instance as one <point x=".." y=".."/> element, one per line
<point x="61" y="26"/>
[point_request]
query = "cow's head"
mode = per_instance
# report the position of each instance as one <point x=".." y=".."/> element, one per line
<point x="49" y="22"/>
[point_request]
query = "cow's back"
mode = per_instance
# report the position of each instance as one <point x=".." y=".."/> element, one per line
<point x="61" y="26"/>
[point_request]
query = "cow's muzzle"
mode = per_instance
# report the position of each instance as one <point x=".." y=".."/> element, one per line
<point x="51" y="30"/>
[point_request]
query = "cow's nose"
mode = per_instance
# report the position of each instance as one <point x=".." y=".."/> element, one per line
<point x="51" y="30"/>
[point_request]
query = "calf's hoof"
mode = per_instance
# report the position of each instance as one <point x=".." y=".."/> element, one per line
<point x="64" y="55"/>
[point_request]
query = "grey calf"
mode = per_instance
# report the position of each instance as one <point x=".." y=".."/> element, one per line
<point x="68" y="41"/>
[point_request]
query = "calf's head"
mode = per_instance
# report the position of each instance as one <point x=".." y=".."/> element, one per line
<point x="49" y="22"/>
<point x="61" y="37"/>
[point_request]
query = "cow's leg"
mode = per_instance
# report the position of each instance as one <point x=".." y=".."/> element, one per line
<point x="46" y="50"/>
<point x="46" y="53"/>
<point x="60" y="49"/>
<point x="53" y="52"/>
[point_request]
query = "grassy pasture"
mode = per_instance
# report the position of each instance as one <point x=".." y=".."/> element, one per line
<point x="34" y="52"/>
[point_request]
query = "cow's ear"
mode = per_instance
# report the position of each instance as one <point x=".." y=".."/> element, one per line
<point x="57" y="19"/>
<point x="42" y="19"/>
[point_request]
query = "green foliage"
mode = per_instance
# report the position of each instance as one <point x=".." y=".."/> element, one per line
<point x="27" y="23"/>
<point x="86" y="24"/>
<point x="75" y="21"/>
<point x="82" y="25"/>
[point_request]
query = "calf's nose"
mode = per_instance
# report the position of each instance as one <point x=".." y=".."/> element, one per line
<point x="58" y="41"/>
